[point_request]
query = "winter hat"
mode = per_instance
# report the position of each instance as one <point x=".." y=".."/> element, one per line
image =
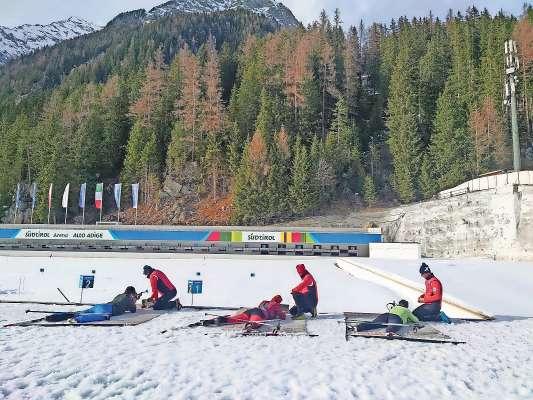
<point x="130" y="290"/>
<point x="424" y="268"/>
<point x="403" y="303"/>
<point x="277" y="298"/>
<point x="300" y="268"/>
<point x="147" y="270"/>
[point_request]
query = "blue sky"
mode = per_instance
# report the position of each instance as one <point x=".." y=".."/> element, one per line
<point x="17" y="12"/>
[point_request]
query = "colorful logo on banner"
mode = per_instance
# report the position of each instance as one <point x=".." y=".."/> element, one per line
<point x="262" y="237"/>
<point x="64" y="234"/>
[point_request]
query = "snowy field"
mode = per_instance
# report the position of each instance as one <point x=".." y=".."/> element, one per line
<point x="497" y="288"/>
<point x="141" y="363"/>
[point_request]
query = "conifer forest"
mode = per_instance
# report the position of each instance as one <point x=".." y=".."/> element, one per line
<point x="238" y="121"/>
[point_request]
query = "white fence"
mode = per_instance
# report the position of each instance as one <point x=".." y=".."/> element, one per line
<point x="490" y="182"/>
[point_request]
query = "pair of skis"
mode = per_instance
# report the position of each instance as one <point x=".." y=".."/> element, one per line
<point x="351" y="331"/>
<point x="273" y="327"/>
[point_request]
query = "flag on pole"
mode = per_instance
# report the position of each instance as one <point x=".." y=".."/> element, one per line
<point x="83" y="189"/>
<point x="135" y="195"/>
<point x="33" y="195"/>
<point x="99" y="195"/>
<point x="118" y="194"/>
<point x="50" y="196"/>
<point x="64" y="203"/>
<point x="17" y="197"/>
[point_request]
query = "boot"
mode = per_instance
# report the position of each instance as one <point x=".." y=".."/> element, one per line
<point x="293" y="311"/>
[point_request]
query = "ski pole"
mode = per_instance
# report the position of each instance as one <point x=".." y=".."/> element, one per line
<point x="63" y="294"/>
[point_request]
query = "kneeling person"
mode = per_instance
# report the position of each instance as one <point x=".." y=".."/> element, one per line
<point x="163" y="291"/>
<point x="432" y="297"/>
<point x="305" y="294"/>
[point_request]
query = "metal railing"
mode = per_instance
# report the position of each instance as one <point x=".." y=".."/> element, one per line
<point x="489" y="182"/>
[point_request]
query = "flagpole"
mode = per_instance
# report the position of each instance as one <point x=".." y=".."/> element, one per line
<point x="118" y="217"/>
<point x="17" y="202"/>
<point x="33" y="195"/>
<point x="66" y="212"/>
<point x="102" y="206"/>
<point x="135" y="216"/>
<point x="48" y="215"/>
<point x="83" y="216"/>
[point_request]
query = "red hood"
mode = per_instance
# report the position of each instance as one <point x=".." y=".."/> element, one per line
<point x="300" y="268"/>
<point x="277" y="298"/>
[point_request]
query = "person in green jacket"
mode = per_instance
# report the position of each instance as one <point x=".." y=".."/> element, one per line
<point x="125" y="301"/>
<point x="398" y="315"/>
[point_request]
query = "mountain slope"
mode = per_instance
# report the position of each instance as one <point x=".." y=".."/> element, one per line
<point x="274" y="11"/>
<point x="92" y="57"/>
<point x="24" y="39"/>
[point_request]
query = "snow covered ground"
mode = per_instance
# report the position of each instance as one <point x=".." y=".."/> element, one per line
<point x="141" y="363"/>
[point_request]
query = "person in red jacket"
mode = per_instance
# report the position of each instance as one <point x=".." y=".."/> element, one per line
<point x="305" y="294"/>
<point x="266" y="311"/>
<point x="432" y="297"/>
<point x="163" y="291"/>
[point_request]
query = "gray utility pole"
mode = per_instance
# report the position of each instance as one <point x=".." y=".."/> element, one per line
<point x="511" y="69"/>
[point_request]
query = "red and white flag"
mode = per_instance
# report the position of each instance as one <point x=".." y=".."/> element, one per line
<point x="98" y="196"/>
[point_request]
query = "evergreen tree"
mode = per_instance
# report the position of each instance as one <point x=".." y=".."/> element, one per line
<point x="303" y="197"/>
<point x="278" y="179"/>
<point x="250" y="205"/>
<point x="322" y="173"/>
<point x="266" y="123"/>
<point x="310" y="120"/>
<point x="353" y="69"/>
<point x="404" y="140"/>
<point x="245" y="101"/>
<point x="434" y="69"/>
<point x="236" y="146"/>
<point x="369" y="191"/>
<point x="426" y="181"/>
<point x="451" y="147"/>
<point x="177" y="151"/>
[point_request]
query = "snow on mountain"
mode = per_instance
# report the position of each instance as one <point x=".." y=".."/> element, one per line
<point x="275" y="11"/>
<point x="24" y="39"/>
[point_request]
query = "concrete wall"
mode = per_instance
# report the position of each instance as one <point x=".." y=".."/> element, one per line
<point x="495" y="223"/>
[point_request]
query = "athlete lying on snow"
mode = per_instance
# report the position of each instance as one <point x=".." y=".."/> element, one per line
<point x="100" y="312"/>
<point x="267" y="310"/>
<point x="398" y="315"/>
